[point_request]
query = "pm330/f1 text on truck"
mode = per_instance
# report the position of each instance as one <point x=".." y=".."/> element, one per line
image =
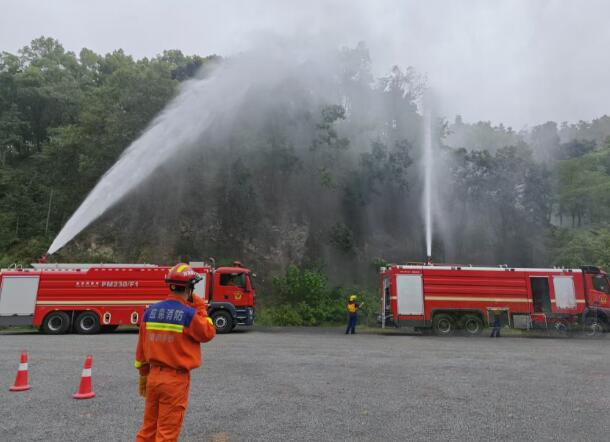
<point x="87" y="298"/>
<point x="449" y="297"/>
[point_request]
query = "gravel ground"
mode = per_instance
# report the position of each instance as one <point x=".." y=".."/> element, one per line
<point x="318" y="384"/>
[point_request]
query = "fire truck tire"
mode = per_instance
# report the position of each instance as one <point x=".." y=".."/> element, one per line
<point x="222" y="321"/>
<point x="56" y="323"/>
<point x="443" y="324"/>
<point x="593" y="328"/>
<point x="471" y="325"/>
<point x="561" y="330"/>
<point x="87" y="323"/>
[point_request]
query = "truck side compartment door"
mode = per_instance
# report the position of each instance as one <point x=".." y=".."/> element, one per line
<point x="541" y="296"/>
<point x="18" y="298"/>
<point x="410" y="294"/>
<point x="565" y="293"/>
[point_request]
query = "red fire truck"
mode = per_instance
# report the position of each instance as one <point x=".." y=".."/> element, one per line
<point x="446" y="298"/>
<point x="89" y="298"/>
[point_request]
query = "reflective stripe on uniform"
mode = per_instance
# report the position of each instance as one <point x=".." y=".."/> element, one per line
<point x="182" y="267"/>
<point x="162" y="326"/>
<point x="210" y="320"/>
<point x="137" y="364"/>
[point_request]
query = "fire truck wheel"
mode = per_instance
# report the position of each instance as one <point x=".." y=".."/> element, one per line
<point x="561" y="330"/>
<point x="593" y="328"/>
<point x="471" y="325"/>
<point x="443" y="324"/>
<point x="56" y="323"/>
<point x="87" y="323"/>
<point x="222" y="321"/>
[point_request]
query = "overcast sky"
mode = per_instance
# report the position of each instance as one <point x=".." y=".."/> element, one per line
<point x="514" y="61"/>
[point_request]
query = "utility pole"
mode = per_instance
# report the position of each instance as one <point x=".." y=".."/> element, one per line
<point x="46" y="227"/>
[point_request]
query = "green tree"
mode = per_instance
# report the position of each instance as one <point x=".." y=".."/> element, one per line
<point x="583" y="188"/>
<point x="578" y="247"/>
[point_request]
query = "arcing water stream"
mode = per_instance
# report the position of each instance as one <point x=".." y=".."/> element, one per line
<point x="177" y="127"/>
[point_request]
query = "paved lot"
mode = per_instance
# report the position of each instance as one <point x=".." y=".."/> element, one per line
<point x="318" y="384"/>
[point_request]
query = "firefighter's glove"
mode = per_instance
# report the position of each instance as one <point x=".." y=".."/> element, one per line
<point x="142" y="389"/>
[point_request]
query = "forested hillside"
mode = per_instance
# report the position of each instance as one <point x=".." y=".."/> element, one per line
<point x="312" y="190"/>
<point x="64" y="120"/>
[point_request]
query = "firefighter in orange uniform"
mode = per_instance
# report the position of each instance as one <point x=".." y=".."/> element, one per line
<point x="169" y="347"/>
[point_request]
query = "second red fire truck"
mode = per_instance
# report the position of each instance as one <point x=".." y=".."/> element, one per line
<point x="89" y="298"/>
<point x="446" y="298"/>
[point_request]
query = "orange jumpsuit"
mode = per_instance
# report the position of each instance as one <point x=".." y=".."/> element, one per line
<point x="169" y="346"/>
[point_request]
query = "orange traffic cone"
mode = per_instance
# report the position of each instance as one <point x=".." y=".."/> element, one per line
<point x="21" y="380"/>
<point x="85" y="391"/>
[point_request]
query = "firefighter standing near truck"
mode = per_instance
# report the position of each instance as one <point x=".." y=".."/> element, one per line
<point x="352" y="314"/>
<point x="169" y="347"/>
<point x="497" y="324"/>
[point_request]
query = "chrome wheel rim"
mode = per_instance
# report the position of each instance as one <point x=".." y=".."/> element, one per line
<point x="55" y="323"/>
<point x="87" y="323"/>
<point x="444" y="325"/>
<point x="594" y="329"/>
<point x="472" y="326"/>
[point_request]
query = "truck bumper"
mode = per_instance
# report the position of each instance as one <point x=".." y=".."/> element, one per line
<point x="245" y="316"/>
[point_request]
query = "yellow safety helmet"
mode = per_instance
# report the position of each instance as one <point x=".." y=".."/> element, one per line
<point x="352" y="298"/>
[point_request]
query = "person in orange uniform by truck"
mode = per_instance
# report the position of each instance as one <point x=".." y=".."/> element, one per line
<point x="169" y="347"/>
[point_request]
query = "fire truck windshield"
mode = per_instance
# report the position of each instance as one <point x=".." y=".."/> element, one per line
<point x="600" y="283"/>
<point x="233" y="279"/>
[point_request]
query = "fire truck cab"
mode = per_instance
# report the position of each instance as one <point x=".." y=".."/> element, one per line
<point x="231" y="297"/>
<point x="446" y="298"/>
<point x="89" y="298"/>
